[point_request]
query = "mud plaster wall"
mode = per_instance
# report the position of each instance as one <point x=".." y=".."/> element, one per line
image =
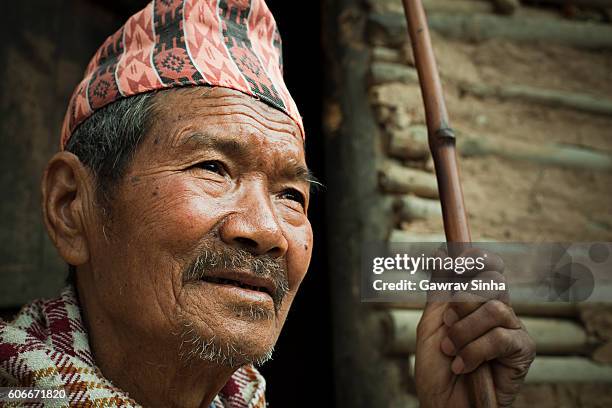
<point x="507" y="199"/>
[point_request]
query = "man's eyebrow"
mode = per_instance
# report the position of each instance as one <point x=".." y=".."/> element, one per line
<point x="293" y="171"/>
<point x="302" y="174"/>
<point x="315" y="184"/>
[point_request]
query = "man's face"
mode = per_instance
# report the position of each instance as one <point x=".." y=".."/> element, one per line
<point x="207" y="238"/>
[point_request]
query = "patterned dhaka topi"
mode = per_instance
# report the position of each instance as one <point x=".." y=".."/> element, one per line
<point x="172" y="43"/>
<point x="46" y="346"/>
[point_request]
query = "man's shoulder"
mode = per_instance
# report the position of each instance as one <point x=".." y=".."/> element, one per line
<point x="46" y="346"/>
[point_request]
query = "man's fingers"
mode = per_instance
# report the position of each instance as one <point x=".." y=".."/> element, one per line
<point x="488" y="316"/>
<point x="498" y="343"/>
<point x="464" y="303"/>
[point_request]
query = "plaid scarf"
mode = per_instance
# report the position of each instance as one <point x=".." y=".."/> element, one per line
<point x="46" y="346"/>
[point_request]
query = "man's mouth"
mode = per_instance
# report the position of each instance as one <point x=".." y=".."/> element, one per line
<point x="243" y="281"/>
<point x="231" y="282"/>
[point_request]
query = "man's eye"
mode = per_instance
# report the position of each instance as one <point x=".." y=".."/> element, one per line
<point x="212" y="166"/>
<point x="294" y="195"/>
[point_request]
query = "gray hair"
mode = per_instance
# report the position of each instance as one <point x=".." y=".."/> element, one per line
<point x="108" y="139"/>
<point x="106" y="142"/>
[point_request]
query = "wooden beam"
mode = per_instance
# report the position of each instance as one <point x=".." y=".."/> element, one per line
<point x="555" y="370"/>
<point x="506" y="6"/>
<point x="395" y="178"/>
<point x="558" y="99"/>
<point x="552" y="336"/>
<point x="412" y="208"/>
<point x="385" y="54"/>
<point x="434" y="6"/>
<point x="390" y="29"/>
<point x="603" y="354"/>
<point x="548" y="309"/>
<point x="411" y="144"/>
<point x="459" y="6"/>
<point x="385" y="72"/>
<point x="604" y="4"/>
<point x="403" y="237"/>
<point x="545" y="154"/>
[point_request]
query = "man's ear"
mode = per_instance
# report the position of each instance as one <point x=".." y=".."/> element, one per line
<point x="66" y="188"/>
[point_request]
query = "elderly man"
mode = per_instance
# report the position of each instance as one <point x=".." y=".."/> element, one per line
<point x="179" y="199"/>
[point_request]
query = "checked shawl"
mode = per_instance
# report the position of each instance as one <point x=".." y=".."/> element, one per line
<point x="46" y="346"/>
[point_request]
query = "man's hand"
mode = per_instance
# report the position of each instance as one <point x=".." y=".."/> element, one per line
<point x="454" y="338"/>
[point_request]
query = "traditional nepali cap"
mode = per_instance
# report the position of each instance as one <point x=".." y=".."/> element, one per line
<point x="174" y="43"/>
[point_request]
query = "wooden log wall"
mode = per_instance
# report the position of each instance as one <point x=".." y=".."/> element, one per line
<point x="574" y="346"/>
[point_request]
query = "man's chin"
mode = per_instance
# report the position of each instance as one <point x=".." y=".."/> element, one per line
<point x="230" y="331"/>
<point x="228" y="351"/>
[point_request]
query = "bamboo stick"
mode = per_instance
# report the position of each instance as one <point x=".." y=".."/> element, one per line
<point x="442" y="145"/>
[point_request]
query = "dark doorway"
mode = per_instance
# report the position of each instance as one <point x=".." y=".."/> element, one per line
<point x="301" y="373"/>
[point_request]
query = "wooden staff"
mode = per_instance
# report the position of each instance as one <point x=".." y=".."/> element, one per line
<point x="442" y="145"/>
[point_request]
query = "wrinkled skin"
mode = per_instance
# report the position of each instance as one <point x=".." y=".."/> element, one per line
<point x="455" y="337"/>
<point x="218" y="165"/>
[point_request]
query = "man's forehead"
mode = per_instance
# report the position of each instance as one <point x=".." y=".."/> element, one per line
<point x="223" y="107"/>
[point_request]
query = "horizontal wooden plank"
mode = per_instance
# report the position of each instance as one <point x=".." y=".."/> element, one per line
<point x="552" y="335"/>
<point x="555" y="370"/>
<point x="390" y="29"/>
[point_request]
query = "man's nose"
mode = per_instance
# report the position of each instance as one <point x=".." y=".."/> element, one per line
<point x="255" y="228"/>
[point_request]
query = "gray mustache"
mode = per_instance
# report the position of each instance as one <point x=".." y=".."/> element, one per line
<point x="224" y="257"/>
